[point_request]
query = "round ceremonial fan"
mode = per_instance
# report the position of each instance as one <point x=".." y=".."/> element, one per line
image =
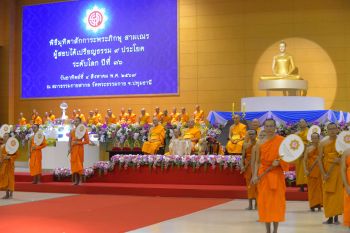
<point x="5" y="128"/>
<point x="291" y="148"/>
<point x="313" y="129"/>
<point x="80" y="131"/>
<point x="12" y="145"/>
<point x="343" y="142"/>
<point x="38" y="138"/>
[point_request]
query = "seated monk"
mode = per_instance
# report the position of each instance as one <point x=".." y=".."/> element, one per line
<point x="237" y="133"/>
<point x="123" y="116"/>
<point x="156" y="138"/>
<point x="144" y="118"/>
<point x="198" y="115"/>
<point x="22" y="120"/>
<point x="166" y="118"/>
<point x="157" y="113"/>
<point x="131" y="117"/>
<point x="192" y="133"/>
<point x="283" y="66"/>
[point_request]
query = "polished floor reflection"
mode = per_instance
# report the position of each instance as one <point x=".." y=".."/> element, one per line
<point x="232" y="217"/>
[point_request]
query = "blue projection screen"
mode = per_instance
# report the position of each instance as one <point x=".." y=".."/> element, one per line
<point x="100" y="48"/>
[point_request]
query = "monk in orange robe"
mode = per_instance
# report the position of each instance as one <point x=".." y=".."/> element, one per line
<point x="144" y="118"/>
<point x="271" y="186"/>
<point x="91" y="118"/>
<point x="22" y="120"/>
<point x="123" y="116"/>
<point x="156" y="136"/>
<point x="236" y="136"/>
<point x="247" y="168"/>
<point x="52" y="116"/>
<point x="36" y="156"/>
<point x="192" y="133"/>
<point x="329" y="162"/>
<point x="166" y="119"/>
<point x="37" y="120"/>
<point x="157" y="113"/>
<point x="183" y="117"/>
<point x="131" y="117"/>
<point x="110" y="118"/>
<point x="97" y="117"/>
<point x="81" y="116"/>
<point x="301" y="179"/>
<point x="174" y="116"/>
<point x="313" y="173"/>
<point x="198" y="115"/>
<point x="77" y="153"/>
<point x="345" y="172"/>
<point x="7" y="170"/>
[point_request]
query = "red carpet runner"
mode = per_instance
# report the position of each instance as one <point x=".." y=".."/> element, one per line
<point x="96" y="213"/>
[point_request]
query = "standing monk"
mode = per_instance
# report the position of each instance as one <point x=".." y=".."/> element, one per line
<point x="7" y="169"/>
<point x="299" y="164"/>
<point x="329" y="162"/>
<point x="77" y="152"/>
<point x="156" y="138"/>
<point x="236" y="136"/>
<point x="313" y="173"/>
<point x="345" y="172"/>
<point x="247" y="168"/>
<point x="271" y="186"/>
<point x="36" y="155"/>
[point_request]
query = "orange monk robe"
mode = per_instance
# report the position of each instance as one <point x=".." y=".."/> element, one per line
<point x="38" y="121"/>
<point x="82" y="117"/>
<point x="77" y="152"/>
<point x="123" y="117"/>
<point x="52" y="117"/>
<point x="237" y="132"/>
<point x="22" y="121"/>
<point x="194" y="134"/>
<point x="155" y="140"/>
<point x="333" y="187"/>
<point x="314" y="181"/>
<point x="198" y="116"/>
<point x="346" y="195"/>
<point x="158" y="115"/>
<point x="166" y="120"/>
<point x="299" y="165"/>
<point x="174" y="117"/>
<point x="97" y="118"/>
<point x="91" y="120"/>
<point x="184" y="118"/>
<point x="272" y="186"/>
<point x="131" y="118"/>
<point x="145" y="119"/>
<point x="111" y="119"/>
<point x="7" y="171"/>
<point x="251" y="188"/>
<point x="36" y="157"/>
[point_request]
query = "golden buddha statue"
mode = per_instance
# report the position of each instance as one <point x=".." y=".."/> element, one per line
<point x="283" y="66"/>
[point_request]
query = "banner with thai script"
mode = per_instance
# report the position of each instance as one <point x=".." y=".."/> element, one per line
<point x="100" y="48"/>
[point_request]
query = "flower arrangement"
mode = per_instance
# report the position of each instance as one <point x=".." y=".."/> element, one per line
<point x="103" y="166"/>
<point x="61" y="173"/>
<point x="290" y="177"/>
<point x="185" y="161"/>
<point x="23" y="133"/>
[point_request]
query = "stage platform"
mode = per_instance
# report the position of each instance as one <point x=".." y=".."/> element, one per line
<point x="174" y="182"/>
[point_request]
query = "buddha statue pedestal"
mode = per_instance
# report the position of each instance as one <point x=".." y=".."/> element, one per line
<point x="287" y="86"/>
